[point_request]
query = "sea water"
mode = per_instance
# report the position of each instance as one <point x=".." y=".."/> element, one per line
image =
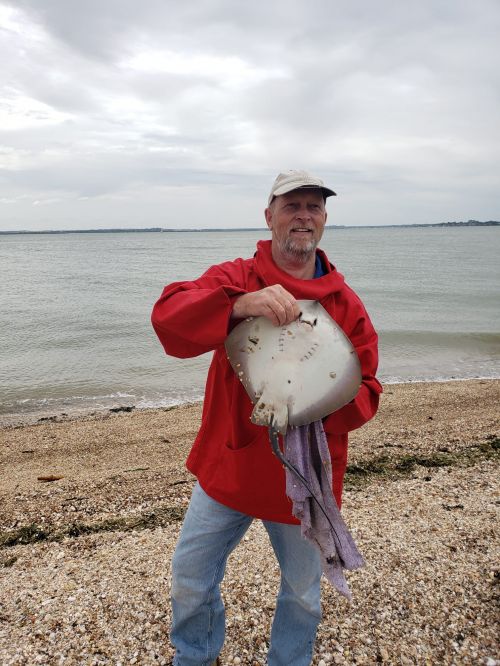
<point x="75" y="330"/>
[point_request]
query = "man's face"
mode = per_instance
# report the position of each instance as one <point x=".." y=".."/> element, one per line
<point x="297" y="220"/>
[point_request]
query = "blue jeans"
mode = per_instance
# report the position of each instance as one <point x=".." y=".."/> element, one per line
<point x="211" y="531"/>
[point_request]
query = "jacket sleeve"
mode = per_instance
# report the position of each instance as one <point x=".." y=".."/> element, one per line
<point x="194" y="317"/>
<point x="364" y="406"/>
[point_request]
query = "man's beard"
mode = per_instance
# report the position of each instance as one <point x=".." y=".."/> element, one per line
<point x="299" y="251"/>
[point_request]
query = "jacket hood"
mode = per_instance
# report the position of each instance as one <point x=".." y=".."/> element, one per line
<point x="316" y="289"/>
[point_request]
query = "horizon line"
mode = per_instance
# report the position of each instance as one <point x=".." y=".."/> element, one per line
<point x="233" y="229"/>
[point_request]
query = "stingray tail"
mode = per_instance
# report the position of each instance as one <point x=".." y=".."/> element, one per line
<point x="266" y="415"/>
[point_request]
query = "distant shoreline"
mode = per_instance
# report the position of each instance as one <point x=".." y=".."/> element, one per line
<point x="469" y="223"/>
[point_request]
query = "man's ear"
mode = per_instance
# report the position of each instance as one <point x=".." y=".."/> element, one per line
<point x="269" y="218"/>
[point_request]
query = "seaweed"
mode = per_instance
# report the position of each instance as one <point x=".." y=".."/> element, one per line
<point x="362" y="473"/>
<point x="160" y="517"/>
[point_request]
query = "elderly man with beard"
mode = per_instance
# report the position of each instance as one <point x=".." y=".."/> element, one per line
<point x="238" y="478"/>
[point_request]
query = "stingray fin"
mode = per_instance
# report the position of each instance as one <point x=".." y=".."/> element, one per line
<point x="266" y="414"/>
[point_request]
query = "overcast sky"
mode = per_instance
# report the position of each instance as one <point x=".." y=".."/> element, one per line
<point x="119" y="113"/>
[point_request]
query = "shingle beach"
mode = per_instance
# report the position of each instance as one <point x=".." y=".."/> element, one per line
<point x="85" y="557"/>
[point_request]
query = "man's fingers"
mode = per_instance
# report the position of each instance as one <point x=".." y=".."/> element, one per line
<point x="292" y="311"/>
<point x="282" y="303"/>
<point x="272" y="316"/>
<point x="279" y="313"/>
<point x="273" y="302"/>
<point x="284" y="311"/>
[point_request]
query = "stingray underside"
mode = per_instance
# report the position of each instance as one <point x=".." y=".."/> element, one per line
<point x="298" y="373"/>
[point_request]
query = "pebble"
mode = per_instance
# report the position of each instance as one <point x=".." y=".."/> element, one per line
<point x="384" y="654"/>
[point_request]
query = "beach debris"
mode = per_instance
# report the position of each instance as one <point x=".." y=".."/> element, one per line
<point x="49" y="478"/>
<point x="125" y="408"/>
<point x="303" y="371"/>
<point x="74" y="499"/>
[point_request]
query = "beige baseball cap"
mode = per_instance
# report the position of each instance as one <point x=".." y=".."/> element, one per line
<point x="293" y="180"/>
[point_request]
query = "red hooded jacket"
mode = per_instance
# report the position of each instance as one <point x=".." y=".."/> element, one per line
<point x="232" y="457"/>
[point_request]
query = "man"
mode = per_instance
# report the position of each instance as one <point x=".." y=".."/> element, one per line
<point x="239" y="478"/>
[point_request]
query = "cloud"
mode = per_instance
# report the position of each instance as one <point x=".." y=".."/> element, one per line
<point x="106" y="103"/>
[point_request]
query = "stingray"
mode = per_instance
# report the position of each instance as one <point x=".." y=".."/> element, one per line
<point x="298" y="373"/>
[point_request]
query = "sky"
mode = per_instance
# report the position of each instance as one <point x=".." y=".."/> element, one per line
<point x="118" y="113"/>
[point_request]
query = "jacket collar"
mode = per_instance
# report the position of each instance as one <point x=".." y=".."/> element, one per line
<point x="315" y="289"/>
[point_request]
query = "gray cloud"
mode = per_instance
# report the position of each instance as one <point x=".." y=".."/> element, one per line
<point x="121" y="110"/>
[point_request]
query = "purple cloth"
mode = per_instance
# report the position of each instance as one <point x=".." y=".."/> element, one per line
<point x="306" y="448"/>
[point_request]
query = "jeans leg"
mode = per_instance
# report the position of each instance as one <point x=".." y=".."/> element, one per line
<point x="298" y="607"/>
<point x="209" y="534"/>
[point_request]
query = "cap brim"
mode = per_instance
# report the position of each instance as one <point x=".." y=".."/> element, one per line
<point x="284" y="189"/>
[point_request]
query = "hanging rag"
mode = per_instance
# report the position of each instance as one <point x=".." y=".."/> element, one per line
<point x="306" y="449"/>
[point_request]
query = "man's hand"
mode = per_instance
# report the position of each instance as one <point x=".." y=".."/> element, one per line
<point x="274" y="302"/>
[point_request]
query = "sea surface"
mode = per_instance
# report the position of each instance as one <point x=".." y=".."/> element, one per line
<point x="75" y="332"/>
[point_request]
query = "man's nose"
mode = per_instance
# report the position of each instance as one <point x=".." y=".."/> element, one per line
<point x="303" y="214"/>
